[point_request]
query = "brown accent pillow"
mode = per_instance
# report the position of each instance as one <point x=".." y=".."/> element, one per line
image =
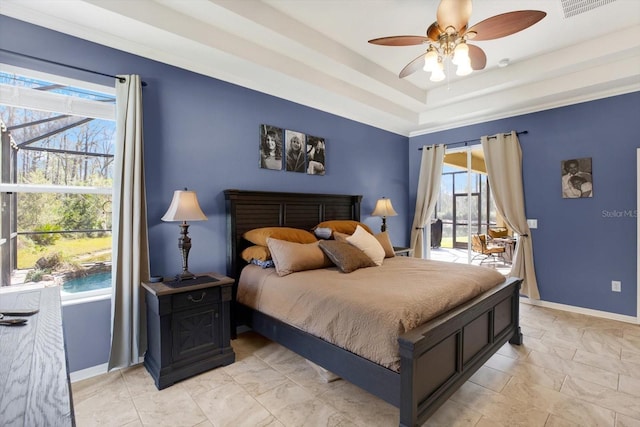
<point x="258" y="236"/>
<point x="290" y="257"/>
<point x="343" y="226"/>
<point x="345" y="256"/>
<point x="385" y="242"/>
<point x="256" y="252"/>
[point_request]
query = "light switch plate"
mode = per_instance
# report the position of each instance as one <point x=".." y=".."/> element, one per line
<point x="532" y="223"/>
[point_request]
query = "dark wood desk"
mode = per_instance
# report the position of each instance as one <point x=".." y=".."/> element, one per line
<point x="34" y="381"/>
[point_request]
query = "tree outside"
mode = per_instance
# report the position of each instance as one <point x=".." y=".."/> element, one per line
<point x="58" y="153"/>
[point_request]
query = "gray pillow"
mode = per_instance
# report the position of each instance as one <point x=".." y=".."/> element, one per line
<point x="345" y="256"/>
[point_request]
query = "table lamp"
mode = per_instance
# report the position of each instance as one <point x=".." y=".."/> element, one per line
<point x="384" y="208"/>
<point x="184" y="207"/>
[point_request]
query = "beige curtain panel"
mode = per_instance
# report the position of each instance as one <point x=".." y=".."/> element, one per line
<point x="427" y="196"/>
<point x="130" y="263"/>
<point x="503" y="158"/>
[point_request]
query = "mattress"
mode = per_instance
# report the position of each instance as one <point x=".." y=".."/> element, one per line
<point x="365" y="311"/>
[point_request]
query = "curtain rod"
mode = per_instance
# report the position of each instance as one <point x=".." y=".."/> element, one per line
<point x="524" y="132"/>
<point x="120" y="79"/>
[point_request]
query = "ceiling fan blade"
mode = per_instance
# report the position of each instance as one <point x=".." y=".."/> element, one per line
<point x="505" y="24"/>
<point x="453" y="13"/>
<point x="412" y="66"/>
<point x="477" y="56"/>
<point x="433" y="32"/>
<point x="400" y="40"/>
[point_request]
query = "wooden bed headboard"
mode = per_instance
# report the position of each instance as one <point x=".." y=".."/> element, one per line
<point x="246" y="210"/>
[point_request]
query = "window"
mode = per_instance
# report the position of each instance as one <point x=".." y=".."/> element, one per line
<point x="56" y="168"/>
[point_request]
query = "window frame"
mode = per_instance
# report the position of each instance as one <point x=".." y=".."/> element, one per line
<point x="27" y="98"/>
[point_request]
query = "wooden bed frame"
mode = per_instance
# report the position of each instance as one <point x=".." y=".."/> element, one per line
<point x="436" y="358"/>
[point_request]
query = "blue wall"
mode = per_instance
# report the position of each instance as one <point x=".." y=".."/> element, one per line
<point x="87" y="332"/>
<point x="580" y="245"/>
<point x="202" y="133"/>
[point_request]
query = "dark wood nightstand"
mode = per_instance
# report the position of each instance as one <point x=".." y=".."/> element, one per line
<point x="400" y="251"/>
<point x="187" y="327"/>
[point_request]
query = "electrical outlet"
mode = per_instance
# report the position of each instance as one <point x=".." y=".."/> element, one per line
<point x="616" y="286"/>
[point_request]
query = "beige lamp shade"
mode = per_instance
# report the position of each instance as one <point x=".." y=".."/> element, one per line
<point x="184" y="207"/>
<point x="384" y="208"/>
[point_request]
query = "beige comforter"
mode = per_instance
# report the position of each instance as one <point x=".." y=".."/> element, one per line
<point x="365" y="311"/>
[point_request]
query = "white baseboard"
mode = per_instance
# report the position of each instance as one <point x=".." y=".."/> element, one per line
<point x="581" y="310"/>
<point x="93" y="371"/>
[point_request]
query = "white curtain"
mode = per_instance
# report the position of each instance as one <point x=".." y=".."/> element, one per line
<point x="428" y="190"/>
<point x="130" y="263"/>
<point x="503" y="158"/>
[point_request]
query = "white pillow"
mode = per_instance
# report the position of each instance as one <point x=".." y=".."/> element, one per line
<point x="368" y="244"/>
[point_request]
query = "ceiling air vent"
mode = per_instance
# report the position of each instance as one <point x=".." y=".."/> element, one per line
<point x="576" y="7"/>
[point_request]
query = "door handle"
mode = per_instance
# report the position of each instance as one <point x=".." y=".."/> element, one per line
<point x="192" y="299"/>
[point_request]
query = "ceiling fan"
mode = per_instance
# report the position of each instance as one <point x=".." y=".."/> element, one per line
<point x="448" y="36"/>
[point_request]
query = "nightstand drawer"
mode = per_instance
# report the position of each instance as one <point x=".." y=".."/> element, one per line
<point x="195" y="298"/>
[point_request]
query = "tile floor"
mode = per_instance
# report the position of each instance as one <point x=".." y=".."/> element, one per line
<point x="460" y="256"/>
<point x="573" y="370"/>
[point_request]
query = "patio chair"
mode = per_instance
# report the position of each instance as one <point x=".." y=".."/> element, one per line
<point x="486" y="251"/>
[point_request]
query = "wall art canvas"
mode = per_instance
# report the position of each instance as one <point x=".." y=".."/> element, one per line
<point x="295" y="159"/>
<point x="271" y="147"/>
<point x="315" y="155"/>
<point x="577" y="178"/>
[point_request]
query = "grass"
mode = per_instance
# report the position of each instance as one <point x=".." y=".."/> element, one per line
<point x="447" y="242"/>
<point x="72" y="250"/>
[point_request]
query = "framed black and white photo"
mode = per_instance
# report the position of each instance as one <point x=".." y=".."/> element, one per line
<point x="295" y="159"/>
<point x="315" y="155"/>
<point x="577" y="178"/>
<point x="270" y="147"/>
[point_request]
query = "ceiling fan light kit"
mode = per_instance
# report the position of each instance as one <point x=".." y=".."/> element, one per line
<point x="461" y="59"/>
<point x="436" y="56"/>
<point x="447" y="38"/>
<point x="437" y="74"/>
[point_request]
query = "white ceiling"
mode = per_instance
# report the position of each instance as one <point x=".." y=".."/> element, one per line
<point x="315" y="52"/>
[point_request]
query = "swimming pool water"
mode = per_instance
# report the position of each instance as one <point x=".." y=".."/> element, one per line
<point x="88" y="283"/>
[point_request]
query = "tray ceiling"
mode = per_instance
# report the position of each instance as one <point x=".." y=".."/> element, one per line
<point x="315" y="52"/>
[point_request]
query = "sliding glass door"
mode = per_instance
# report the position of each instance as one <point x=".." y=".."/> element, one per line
<point x="465" y="205"/>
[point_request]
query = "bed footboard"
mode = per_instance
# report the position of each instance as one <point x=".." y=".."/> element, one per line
<point x="439" y="356"/>
<point x="436" y="358"/>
